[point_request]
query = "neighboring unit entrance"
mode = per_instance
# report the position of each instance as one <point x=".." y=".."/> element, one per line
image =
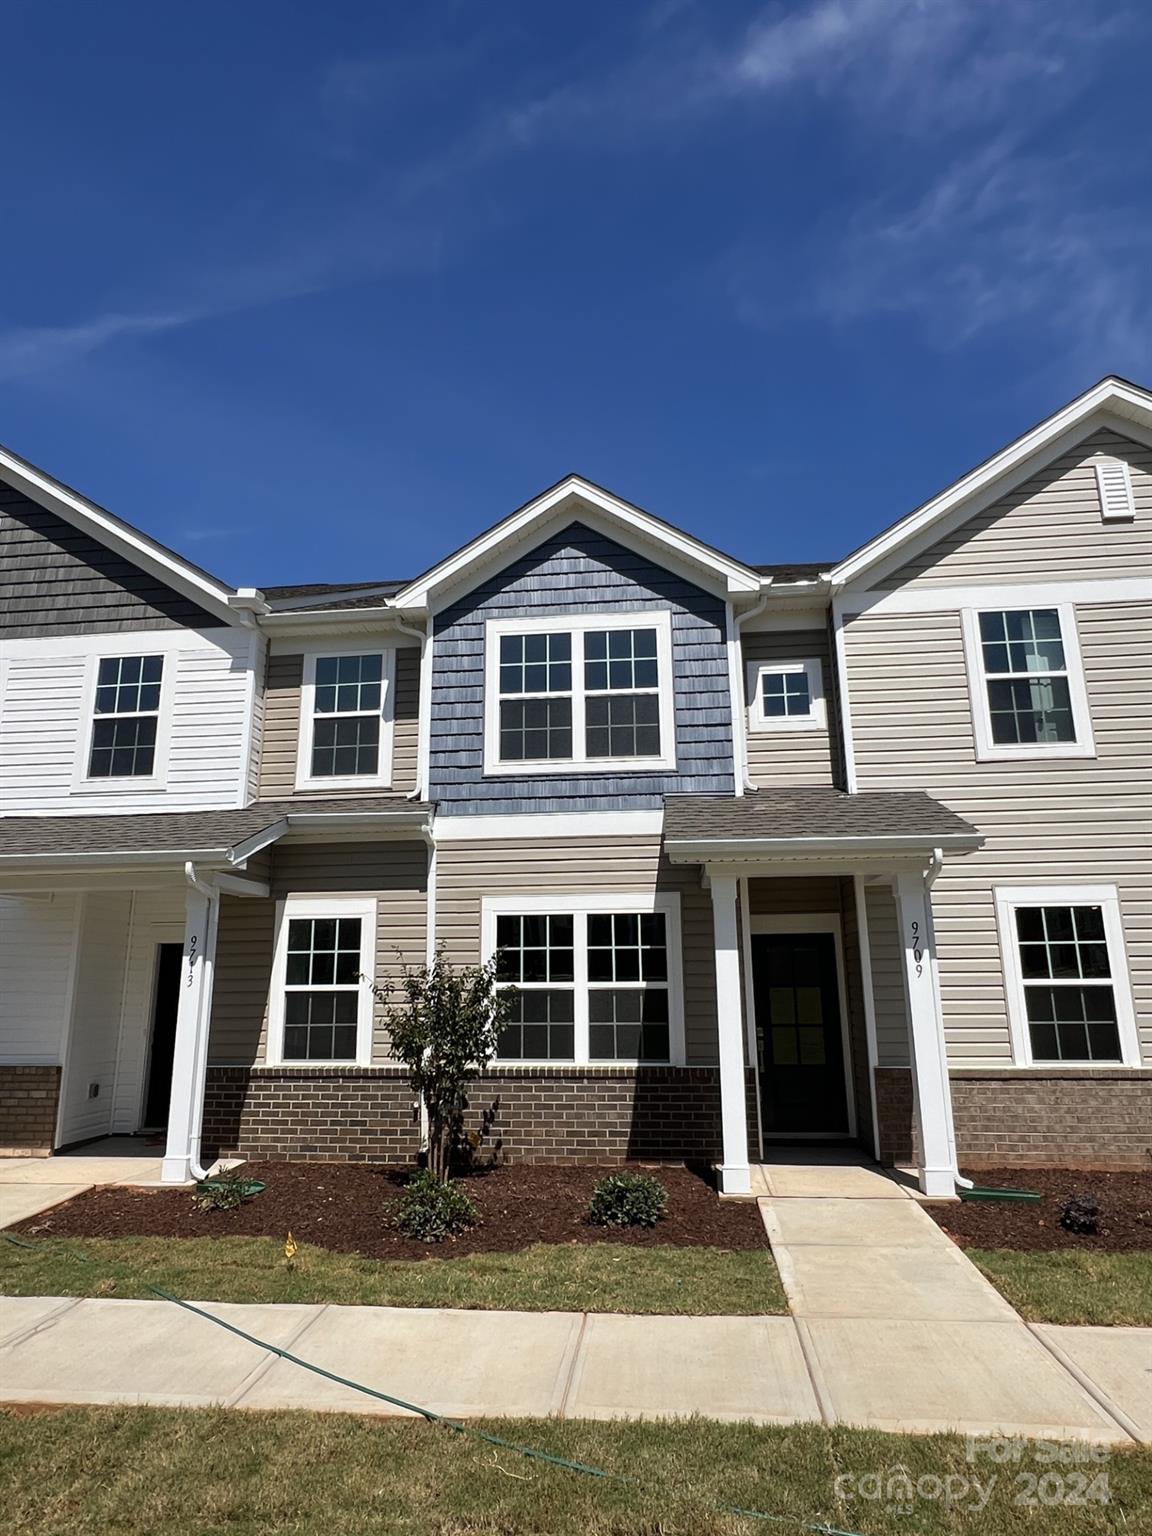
<point x="166" y="1000"/>
<point x="799" y="1040"/>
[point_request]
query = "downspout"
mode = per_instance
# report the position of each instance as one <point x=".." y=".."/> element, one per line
<point x="931" y="874"/>
<point x="424" y="719"/>
<point x="741" y="715"/>
<point x="203" y="1019"/>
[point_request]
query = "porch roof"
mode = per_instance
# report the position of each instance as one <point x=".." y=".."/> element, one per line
<point x="811" y="821"/>
<point x="226" y="837"/>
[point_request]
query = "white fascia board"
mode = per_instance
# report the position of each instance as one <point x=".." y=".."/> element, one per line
<point x="1111" y="403"/>
<point x="704" y="850"/>
<point x="211" y="594"/>
<point x="117" y="858"/>
<point x="324" y="623"/>
<point x="734" y="576"/>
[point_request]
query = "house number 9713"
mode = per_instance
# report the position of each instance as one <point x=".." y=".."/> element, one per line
<point x="192" y="944"/>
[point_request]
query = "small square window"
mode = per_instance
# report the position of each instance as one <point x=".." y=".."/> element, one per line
<point x="786" y="695"/>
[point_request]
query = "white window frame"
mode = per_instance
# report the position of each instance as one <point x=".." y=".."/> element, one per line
<point x="580" y="907"/>
<point x="1008" y="898"/>
<point x="578" y="625"/>
<point x="382" y="778"/>
<point x="817" y="717"/>
<point x="988" y="750"/>
<point x="158" y="778"/>
<point x="363" y="907"/>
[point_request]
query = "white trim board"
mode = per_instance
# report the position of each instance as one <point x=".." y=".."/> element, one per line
<point x="1008" y="898"/>
<point x="1008" y="594"/>
<point x="530" y="826"/>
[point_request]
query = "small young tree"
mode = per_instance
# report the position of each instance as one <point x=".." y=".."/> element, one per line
<point x="446" y="1035"/>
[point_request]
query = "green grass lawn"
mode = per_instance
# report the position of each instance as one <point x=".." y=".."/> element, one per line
<point x="1072" y="1287"/>
<point x="573" y="1277"/>
<point x="187" y="1472"/>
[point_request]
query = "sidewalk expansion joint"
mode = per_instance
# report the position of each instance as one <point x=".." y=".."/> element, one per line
<point x="1086" y="1384"/>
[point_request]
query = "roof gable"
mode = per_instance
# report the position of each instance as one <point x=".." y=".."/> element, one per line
<point x="1112" y="405"/>
<point x="577" y="500"/>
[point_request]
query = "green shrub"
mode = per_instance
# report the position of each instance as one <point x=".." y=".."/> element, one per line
<point x="431" y="1210"/>
<point x="225" y="1190"/>
<point x="627" y="1200"/>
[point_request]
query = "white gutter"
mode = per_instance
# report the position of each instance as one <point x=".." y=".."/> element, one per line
<point x="739" y="708"/>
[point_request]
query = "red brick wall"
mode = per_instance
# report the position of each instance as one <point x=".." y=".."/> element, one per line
<point x="28" y="1100"/>
<point x="1055" y="1117"/>
<point x="526" y="1114"/>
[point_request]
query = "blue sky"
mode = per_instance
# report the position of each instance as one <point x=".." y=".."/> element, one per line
<point x="316" y="292"/>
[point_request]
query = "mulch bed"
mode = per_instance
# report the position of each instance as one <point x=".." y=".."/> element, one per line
<point x="346" y="1207"/>
<point x="1124" y="1199"/>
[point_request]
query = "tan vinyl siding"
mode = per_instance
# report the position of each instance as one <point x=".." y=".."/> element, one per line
<point x="889" y="997"/>
<point x="395" y="873"/>
<point x="282" y="726"/>
<point x="790" y="757"/>
<point x="1050" y="527"/>
<point x="799" y="893"/>
<point x="469" y="871"/>
<point x="1070" y="820"/>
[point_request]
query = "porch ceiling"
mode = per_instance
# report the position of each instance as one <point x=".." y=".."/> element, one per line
<point x="223" y="837"/>
<point x="816" y="822"/>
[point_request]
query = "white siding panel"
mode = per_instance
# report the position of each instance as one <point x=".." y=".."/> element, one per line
<point x="90" y="1056"/>
<point x="1071" y="820"/>
<point x="45" y="730"/>
<point x="36" y="943"/>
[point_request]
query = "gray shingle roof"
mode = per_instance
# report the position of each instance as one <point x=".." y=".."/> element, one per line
<point x="174" y="832"/>
<point x="827" y="814"/>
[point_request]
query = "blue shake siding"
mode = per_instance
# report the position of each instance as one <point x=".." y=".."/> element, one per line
<point x="579" y="571"/>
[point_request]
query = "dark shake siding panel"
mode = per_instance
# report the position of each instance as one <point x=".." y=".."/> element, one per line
<point x="56" y="580"/>
<point x="579" y="571"/>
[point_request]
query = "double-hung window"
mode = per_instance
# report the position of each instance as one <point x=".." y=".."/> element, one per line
<point x="786" y="695"/>
<point x="596" y="978"/>
<point x="321" y="1001"/>
<point x="1068" y="993"/>
<point x="579" y="693"/>
<point x="1027" y="684"/>
<point x="346" y="720"/>
<point x="126" y="717"/>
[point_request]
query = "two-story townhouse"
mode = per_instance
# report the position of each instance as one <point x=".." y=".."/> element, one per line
<point x="853" y="850"/>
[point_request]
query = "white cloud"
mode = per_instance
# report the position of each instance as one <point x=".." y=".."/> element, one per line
<point x="26" y="350"/>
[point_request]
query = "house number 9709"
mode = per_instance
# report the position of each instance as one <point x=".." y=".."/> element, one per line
<point x="918" y="949"/>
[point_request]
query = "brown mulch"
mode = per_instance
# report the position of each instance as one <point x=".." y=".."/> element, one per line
<point x="1124" y="1199"/>
<point x="347" y="1207"/>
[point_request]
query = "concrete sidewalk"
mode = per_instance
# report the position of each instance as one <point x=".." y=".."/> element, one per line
<point x="773" y="1370"/>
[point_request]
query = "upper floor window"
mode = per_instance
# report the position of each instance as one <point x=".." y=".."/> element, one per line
<point x="597" y="979"/>
<point x="126" y="717"/>
<point x="786" y="695"/>
<point x="583" y="692"/>
<point x="346" y="719"/>
<point x="1065" y="972"/>
<point x="1027" y="685"/>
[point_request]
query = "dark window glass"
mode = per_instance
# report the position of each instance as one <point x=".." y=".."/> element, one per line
<point x="534" y="730"/>
<point x="541" y="1027"/>
<point x="785" y="694"/>
<point x="123" y="748"/>
<point x="1067" y="945"/>
<point x="321" y="1025"/>
<point x="1025" y="710"/>
<point x="535" y="948"/>
<point x="623" y="725"/>
<point x="1027" y="640"/>
<point x="1062" y="943"/>
<point x="621" y="659"/>
<point x="345" y="746"/>
<point x="1024" y="663"/>
<point x="535" y="663"/>
<point x="628" y="1024"/>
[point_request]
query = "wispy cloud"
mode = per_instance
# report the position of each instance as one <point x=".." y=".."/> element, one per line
<point x="26" y="350"/>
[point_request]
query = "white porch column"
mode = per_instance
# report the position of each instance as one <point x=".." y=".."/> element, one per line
<point x="932" y="1094"/>
<point x="190" y="1051"/>
<point x="735" y="1177"/>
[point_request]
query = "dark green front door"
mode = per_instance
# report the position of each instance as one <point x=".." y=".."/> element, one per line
<point x="800" y="1048"/>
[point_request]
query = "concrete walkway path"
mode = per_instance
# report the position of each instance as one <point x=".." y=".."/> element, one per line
<point x="976" y="1377"/>
<point x="29" y="1185"/>
<point x="903" y="1332"/>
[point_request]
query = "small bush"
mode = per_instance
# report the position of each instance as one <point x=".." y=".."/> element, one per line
<point x="225" y="1190"/>
<point x="1081" y="1214"/>
<point x="627" y="1200"/>
<point x="431" y="1210"/>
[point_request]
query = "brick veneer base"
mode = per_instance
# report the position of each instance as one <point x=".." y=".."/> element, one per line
<point x="28" y="1100"/>
<point x="1042" y="1118"/>
<point x="529" y="1115"/>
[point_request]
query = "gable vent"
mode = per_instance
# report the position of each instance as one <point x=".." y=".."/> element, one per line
<point x="1114" y="480"/>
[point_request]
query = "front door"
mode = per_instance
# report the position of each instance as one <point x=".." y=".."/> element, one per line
<point x="163" y="1041"/>
<point x="800" y="1048"/>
